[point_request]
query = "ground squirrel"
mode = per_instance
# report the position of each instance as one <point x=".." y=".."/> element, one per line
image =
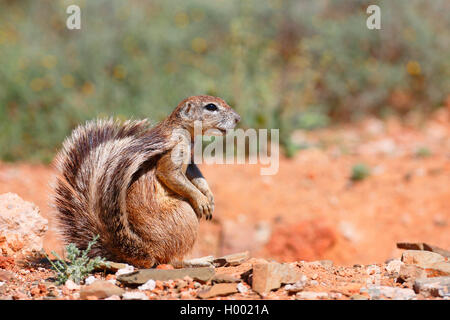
<point x="120" y="181"/>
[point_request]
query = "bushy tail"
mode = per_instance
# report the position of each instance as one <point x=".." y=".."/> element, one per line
<point x="95" y="168"/>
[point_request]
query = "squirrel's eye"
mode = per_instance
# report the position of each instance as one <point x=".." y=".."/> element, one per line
<point x="211" y="107"/>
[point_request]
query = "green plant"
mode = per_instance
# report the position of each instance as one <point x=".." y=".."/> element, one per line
<point x="360" y="171"/>
<point x="78" y="265"/>
<point x="423" y="152"/>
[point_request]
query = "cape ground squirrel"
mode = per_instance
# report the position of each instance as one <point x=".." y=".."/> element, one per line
<point x="120" y="181"/>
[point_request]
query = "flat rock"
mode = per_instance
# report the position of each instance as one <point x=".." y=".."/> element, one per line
<point x="134" y="296"/>
<point x="203" y="274"/>
<point x="225" y="278"/>
<point x="100" y="289"/>
<point x="111" y="266"/>
<point x="197" y="262"/>
<point x="423" y="259"/>
<point x="269" y="276"/>
<point x="377" y="292"/>
<point x="436" y="287"/>
<point x="424" y="247"/>
<point x="220" y="289"/>
<point x="439" y="269"/>
<point x="22" y="228"/>
<point x="311" y="295"/>
<point x="297" y="286"/>
<point x="231" y="259"/>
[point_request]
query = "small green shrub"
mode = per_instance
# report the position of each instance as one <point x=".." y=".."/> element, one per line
<point x="423" y="152"/>
<point x="78" y="265"/>
<point x="360" y="171"/>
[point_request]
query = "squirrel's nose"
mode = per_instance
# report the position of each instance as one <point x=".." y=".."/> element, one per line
<point x="237" y="118"/>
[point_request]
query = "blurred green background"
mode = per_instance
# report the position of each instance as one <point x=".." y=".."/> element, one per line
<point x="281" y="64"/>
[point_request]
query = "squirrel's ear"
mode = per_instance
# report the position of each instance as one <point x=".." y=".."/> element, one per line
<point x="187" y="111"/>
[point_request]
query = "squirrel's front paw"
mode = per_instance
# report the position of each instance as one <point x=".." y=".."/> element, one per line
<point x="203" y="207"/>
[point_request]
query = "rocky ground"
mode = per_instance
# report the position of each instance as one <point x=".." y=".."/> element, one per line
<point x="419" y="274"/>
<point x="310" y="231"/>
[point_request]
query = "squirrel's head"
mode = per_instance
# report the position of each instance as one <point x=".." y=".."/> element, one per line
<point x="211" y="112"/>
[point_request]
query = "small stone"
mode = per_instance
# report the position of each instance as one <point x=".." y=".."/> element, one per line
<point x="310" y="295"/>
<point x="134" y="295"/>
<point x="182" y="284"/>
<point x="126" y="270"/>
<point x="224" y="278"/>
<point x="314" y="276"/>
<point x="113" y="297"/>
<point x="373" y="269"/>
<point x="90" y="280"/>
<point x="242" y="288"/>
<point x="101" y="289"/>
<point x="35" y="291"/>
<point x="186" y="295"/>
<point x="231" y="259"/>
<point x="269" y="276"/>
<point x="149" y="285"/>
<point x="297" y="286"/>
<point x="314" y="283"/>
<point x="140" y="277"/>
<point x="70" y="285"/>
<point x="358" y="297"/>
<point x="335" y="295"/>
<point x="423" y="259"/>
<point x="220" y="289"/>
<point x="394" y="266"/>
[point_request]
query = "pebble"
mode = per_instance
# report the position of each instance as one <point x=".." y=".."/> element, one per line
<point x="90" y="280"/>
<point x="100" y="289"/>
<point x="134" y="295"/>
<point x="394" y="266"/>
<point x="220" y="289"/>
<point x="297" y="286"/>
<point x="242" y="288"/>
<point x="128" y="269"/>
<point x="310" y="295"/>
<point x="149" y="285"/>
<point x="71" y="285"/>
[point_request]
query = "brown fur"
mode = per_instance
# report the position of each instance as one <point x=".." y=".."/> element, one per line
<point x="117" y="180"/>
